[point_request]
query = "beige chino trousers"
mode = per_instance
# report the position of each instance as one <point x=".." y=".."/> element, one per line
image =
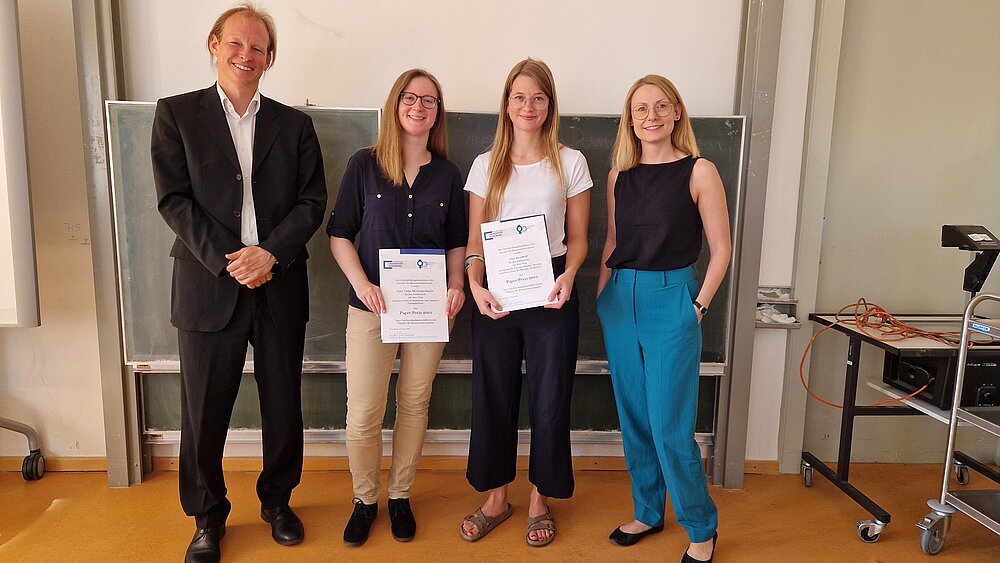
<point x="369" y="366"/>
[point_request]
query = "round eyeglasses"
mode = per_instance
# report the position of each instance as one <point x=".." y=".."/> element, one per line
<point x="409" y="98"/>
<point x="518" y="101"/>
<point x="662" y="109"/>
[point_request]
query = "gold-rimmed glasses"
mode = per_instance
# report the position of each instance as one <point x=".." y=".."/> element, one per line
<point x="662" y="108"/>
<point x="518" y="101"/>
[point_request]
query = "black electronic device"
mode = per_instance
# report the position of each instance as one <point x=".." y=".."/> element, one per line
<point x="982" y="378"/>
<point x="977" y="239"/>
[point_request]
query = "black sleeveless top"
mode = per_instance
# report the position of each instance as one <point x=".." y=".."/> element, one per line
<point x="657" y="224"/>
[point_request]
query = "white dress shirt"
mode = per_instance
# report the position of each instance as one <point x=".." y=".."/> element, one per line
<point x="241" y="127"/>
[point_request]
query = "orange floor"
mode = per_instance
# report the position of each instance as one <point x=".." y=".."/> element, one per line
<point x="76" y="517"/>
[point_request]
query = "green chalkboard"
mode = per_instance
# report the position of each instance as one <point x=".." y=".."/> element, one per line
<point x="144" y="240"/>
<point x="721" y="140"/>
<point x="143" y="243"/>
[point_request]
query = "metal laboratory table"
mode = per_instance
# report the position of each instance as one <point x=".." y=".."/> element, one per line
<point x="869" y="530"/>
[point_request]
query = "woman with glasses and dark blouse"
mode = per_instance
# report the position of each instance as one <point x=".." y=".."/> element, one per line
<point x="402" y="193"/>
<point x="526" y="172"/>
<point x="661" y="198"/>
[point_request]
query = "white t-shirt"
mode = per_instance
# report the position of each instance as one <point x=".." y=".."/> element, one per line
<point x="534" y="189"/>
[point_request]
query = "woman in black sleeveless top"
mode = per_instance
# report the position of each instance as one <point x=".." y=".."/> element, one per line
<point x="661" y="199"/>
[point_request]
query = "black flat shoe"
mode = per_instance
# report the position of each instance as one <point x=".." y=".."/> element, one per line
<point x="356" y="531"/>
<point x="404" y="527"/>
<point x="688" y="559"/>
<point x="286" y="528"/>
<point x="625" y="539"/>
<point x="205" y="546"/>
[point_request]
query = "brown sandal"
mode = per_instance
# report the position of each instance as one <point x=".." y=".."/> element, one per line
<point x="539" y="523"/>
<point x="484" y="524"/>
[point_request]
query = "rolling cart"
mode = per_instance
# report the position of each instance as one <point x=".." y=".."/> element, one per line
<point x="870" y="530"/>
<point x="983" y="506"/>
<point x="33" y="466"/>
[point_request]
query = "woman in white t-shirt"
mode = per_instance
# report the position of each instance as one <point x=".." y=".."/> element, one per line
<point x="526" y="172"/>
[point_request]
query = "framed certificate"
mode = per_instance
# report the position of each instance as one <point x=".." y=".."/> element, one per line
<point x="414" y="286"/>
<point x="518" y="263"/>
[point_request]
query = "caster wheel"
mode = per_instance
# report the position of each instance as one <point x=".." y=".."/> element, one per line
<point x="33" y="466"/>
<point x="962" y="474"/>
<point x="807" y="476"/>
<point x="867" y="534"/>
<point x="931" y="542"/>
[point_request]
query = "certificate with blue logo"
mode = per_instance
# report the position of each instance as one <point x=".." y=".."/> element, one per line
<point x="518" y="264"/>
<point x="413" y="284"/>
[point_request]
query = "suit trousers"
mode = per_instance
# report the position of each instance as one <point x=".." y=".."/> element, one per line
<point x="211" y="371"/>
<point x="369" y="366"/>
<point x="547" y="340"/>
<point x="653" y="340"/>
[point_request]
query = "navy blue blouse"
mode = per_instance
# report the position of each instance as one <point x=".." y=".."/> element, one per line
<point x="428" y="215"/>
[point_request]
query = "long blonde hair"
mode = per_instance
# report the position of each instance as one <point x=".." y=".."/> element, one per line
<point x="501" y="167"/>
<point x="388" y="149"/>
<point x="628" y="149"/>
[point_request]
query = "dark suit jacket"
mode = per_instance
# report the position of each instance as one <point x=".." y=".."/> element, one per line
<point x="199" y="191"/>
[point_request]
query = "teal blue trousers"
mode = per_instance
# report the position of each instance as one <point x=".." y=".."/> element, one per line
<point x="653" y="340"/>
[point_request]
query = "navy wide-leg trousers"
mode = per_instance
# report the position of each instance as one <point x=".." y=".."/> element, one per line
<point x="547" y="340"/>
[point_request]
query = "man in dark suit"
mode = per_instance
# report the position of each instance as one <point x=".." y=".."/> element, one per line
<point x="239" y="179"/>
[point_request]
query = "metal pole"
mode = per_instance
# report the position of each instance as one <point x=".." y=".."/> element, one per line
<point x="963" y="354"/>
<point x="95" y="68"/>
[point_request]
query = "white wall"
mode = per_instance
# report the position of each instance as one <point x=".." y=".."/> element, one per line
<point x="780" y="222"/>
<point x="348" y="53"/>
<point x="49" y="375"/>
<point x="916" y="136"/>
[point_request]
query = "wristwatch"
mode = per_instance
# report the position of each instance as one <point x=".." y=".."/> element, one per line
<point x="701" y="308"/>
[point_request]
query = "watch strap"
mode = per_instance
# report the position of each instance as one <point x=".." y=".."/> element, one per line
<point x="701" y="308"/>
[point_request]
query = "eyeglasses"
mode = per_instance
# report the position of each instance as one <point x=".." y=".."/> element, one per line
<point x="518" y="101"/>
<point x="662" y="109"/>
<point x="409" y="98"/>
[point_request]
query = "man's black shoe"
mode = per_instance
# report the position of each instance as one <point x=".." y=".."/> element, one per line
<point x="286" y="528"/>
<point x="204" y="546"/>
<point x="404" y="527"/>
<point x="356" y="531"/>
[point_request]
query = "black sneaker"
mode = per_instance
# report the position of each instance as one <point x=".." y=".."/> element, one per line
<point x="404" y="527"/>
<point x="356" y="531"/>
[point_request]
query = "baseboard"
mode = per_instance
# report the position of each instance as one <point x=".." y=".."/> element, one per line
<point x="323" y="443"/>
<point x="435" y="462"/>
<point x="325" y="451"/>
<point x="13" y="463"/>
<point x="762" y="467"/>
<point x="339" y="463"/>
